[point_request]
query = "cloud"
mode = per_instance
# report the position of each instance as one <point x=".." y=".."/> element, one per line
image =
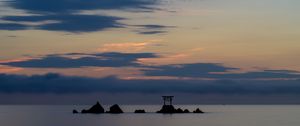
<point x="136" y="61"/>
<point x="216" y="71"/>
<point x="183" y="57"/>
<point x="12" y="36"/>
<point x="152" y="29"/>
<point x="68" y="22"/>
<point x="129" y="46"/>
<point x="132" y="47"/>
<point x="55" y="83"/>
<point x="12" y="26"/>
<point x="264" y="74"/>
<point x="165" y="59"/>
<point x="108" y="59"/>
<point x="153" y="26"/>
<point x="68" y="17"/>
<point x="7" y="69"/>
<point x="69" y="6"/>
<point x="187" y="70"/>
<point x="283" y="71"/>
<point x="151" y="32"/>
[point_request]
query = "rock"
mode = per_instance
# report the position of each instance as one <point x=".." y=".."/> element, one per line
<point x="179" y="110"/>
<point x="75" y="111"/>
<point x="95" y="109"/>
<point x="198" y="111"/>
<point x="167" y="109"/>
<point x="186" y="111"/>
<point x="139" y="111"/>
<point x="84" y="111"/>
<point x="115" y="109"/>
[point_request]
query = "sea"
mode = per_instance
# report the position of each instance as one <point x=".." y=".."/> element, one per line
<point x="215" y="115"/>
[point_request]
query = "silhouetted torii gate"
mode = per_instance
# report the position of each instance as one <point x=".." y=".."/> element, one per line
<point x="168" y="100"/>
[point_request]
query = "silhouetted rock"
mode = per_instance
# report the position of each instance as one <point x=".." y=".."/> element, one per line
<point x="75" y="111"/>
<point x="95" y="109"/>
<point x="115" y="109"/>
<point x="179" y="110"/>
<point x="84" y="111"/>
<point x="139" y="111"/>
<point x="198" y="111"/>
<point x="186" y="111"/>
<point x="167" y="109"/>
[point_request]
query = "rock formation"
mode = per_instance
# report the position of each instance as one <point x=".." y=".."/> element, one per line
<point x="95" y="109"/>
<point x="198" y="111"/>
<point x="167" y="109"/>
<point x="75" y="111"/>
<point x="186" y="111"/>
<point x="115" y="109"/>
<point x="140" y="111"/>
<point x="179" y="110"/>
<point x="170" y="109"/>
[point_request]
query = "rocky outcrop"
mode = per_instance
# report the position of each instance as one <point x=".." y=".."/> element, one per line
<point x="170" y="109"/>
<point x="179" y="110"/>
<point x="140" y="111"/>
<point x="115" y="109"/>
<point x="186" y="111"/>
<point x="167" y="109"/>
<point x="75" y="111"/>
<point x="198" y="111"/>
<point x="95" y="109"/>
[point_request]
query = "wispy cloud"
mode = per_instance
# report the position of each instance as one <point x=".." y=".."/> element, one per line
<point x="180" y="57"/>
<point x="17" y="60"/>
<point x="129" y="46"/>
<point x="8" y="69"/>
<point x="151" y="29"/>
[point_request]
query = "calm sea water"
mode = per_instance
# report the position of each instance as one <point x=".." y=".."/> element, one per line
<point x="217" y="115"/>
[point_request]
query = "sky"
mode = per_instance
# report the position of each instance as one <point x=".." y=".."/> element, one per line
<point x="134" y="51"/>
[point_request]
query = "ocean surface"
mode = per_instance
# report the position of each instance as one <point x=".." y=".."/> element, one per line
<point x="216" y="115"/>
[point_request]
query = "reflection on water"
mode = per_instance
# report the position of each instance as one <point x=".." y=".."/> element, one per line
<point x="217" y="115"/>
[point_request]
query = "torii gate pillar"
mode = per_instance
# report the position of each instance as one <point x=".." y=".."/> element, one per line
<point x="167" y="100"/>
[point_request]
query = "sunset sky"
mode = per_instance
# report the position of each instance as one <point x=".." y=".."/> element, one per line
<point x="211" y="51"/>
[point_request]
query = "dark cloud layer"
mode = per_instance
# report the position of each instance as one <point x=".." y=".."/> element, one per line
<point x="69" y="6"/>
<point x="55" y="83"/>
<point x="257" y="75"/>
<point x="266" y="86"/>
<point x="67" y="17"/>
<point x="216" y="71"/>
<point x="68" y="22"/>
<point x="187" y="70"/>
<point x="112" y="59"/>
<point x="117" y="59"/>
<point x="12" y="26"/>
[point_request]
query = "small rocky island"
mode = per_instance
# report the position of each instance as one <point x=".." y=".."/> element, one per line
<point x="167" y="108"/>
<point x="98" y="109"/>
<point x="95" y="109"/>
<point x="115" y="109"/>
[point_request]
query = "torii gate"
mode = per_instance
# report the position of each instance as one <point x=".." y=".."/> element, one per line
<point x="167" y="100"/>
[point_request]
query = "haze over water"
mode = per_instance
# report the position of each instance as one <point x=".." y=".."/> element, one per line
<point x="225" y="115"/>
